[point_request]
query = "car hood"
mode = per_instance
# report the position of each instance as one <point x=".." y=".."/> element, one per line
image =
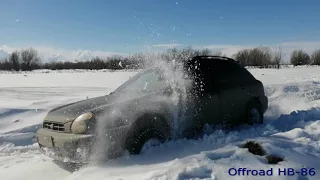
<point x="69" y="112"/>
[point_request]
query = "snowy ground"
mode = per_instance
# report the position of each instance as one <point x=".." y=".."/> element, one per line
<point x="291" y="130"/>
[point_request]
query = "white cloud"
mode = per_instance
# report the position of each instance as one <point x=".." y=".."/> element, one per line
<point x="3" y="54"/>
<point x="17" y="20"/>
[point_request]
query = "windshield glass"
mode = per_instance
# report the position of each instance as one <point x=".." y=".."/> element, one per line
<point x="146" y="81"/>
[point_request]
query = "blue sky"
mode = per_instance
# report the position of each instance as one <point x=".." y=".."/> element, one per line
<point x="127" y="26"/>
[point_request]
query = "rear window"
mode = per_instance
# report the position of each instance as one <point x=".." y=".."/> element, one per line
<point x="209" y="72"/>
<point x="234" y="72"/>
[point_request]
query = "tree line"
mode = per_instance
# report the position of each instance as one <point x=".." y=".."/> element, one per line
<point x="262" y="57"/>
<point x="265" y="57"/>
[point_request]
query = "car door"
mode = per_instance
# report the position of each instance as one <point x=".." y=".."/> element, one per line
<point x="205" y="96"/>
<point x="209" y="103"/>
<point x="209" y="98"/>
<point x="244" y="79"/>
<point x="232" y="94"/>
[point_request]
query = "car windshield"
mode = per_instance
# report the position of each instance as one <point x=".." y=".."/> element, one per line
<point x="144" y="82"/>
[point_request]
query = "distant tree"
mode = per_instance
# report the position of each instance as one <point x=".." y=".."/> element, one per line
<point x="97" y="63"/>
<point x="15" y="60"/>
<point x="29" y="59"/>
<point x="277" y="57"/>
<point x="315" y="57"/>
<point x="263" y="57"/>
<point x="205" y="52"/>
<point x="186" y="53"/>
<point x="173" y="54"/>
<point x="242" y="56"/>
<point x="5" y="64"/>
<point x="136" y="61"/>
<point x="299" y="57"/>
<point x="259" y="56"/>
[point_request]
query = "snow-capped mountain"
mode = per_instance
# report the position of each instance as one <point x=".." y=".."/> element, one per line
<point x="56" y="57"/>
<point x="62" y="56"/>
<point x="85" y="55"/>
<point x="3" y="54"/>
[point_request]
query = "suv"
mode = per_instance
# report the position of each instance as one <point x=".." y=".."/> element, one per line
<point x="141" y="111"/>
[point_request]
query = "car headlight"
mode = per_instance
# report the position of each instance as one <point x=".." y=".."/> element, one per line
<point x="79" y="125"/>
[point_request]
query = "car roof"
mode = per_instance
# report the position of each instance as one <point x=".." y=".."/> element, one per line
<point x="190" y="63"/>
<point x="210" y="60"/>
<point x="215" y="58"/>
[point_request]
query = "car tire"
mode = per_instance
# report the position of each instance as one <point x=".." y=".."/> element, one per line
<point x="254" y="114"/>
<point x="141" y="135"/>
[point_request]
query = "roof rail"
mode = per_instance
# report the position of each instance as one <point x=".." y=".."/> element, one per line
<point x="213" y="57"/>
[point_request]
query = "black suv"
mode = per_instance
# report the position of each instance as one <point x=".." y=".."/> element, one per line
<point x="142" y="110"/>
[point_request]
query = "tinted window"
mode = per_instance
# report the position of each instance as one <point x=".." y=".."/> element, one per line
<point x="201" y="72"/>
<point x="205" y="73"/>
<point x="245" y="75"/>
<point x="233" y="73"/>
<point x="212" y="74"/>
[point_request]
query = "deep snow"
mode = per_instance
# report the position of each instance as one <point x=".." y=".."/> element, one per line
<point x="291" y="130"/>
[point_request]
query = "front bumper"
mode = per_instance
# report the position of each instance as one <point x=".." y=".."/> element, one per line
<point x="63" y="146"/>
<point x="76" y="148"/>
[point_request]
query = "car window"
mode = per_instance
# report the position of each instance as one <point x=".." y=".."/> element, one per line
<point x="203" y="74"/>
<point x="245" y="75"/>
<point x="232" y="74"/>
<point x="212" y="74"/>
<point x="148" y="81"/>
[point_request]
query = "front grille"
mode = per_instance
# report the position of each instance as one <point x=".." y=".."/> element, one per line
<point x="53" y="126"/>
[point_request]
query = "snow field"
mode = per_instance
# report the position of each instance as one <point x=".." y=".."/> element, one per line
<point x="291" y="130"/>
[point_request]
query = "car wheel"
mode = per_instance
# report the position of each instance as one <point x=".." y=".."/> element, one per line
<point x="153" y="142"/>
<point x="142" y="140"/>
<point x="254" y="113"/>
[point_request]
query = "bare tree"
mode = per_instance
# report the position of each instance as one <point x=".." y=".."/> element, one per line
<point x="315" y="57"/>
<point x="277" y="57"/>
<point x="185" y="53"/>
<point x="259" y="56"/>
<point x="14" y="60"/>
<point x="171" y="54"/>
<point x="5" y="64"/>
<point x="29" y="59"/>
<point x="205" y="52"/>
<point x="299" y="57"/>
<point x="242" y="56"/>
